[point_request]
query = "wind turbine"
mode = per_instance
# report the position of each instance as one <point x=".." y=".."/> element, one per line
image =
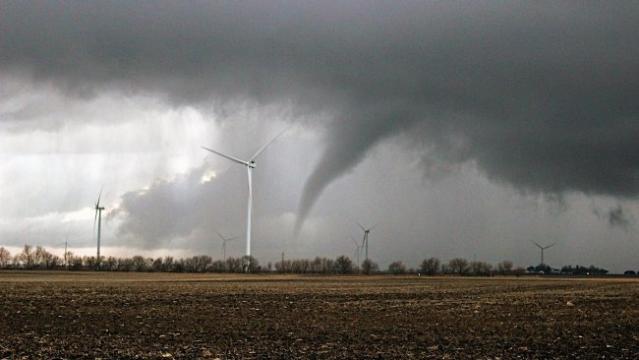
<point x="365" y="239"/>
<point x="98" y="218"/>
<point x="224" y="241"/>
<point x="542" y="248"/>
<point x="250" y="165"/>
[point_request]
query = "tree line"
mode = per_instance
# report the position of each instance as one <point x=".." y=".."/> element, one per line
<point x="38" y="258"/>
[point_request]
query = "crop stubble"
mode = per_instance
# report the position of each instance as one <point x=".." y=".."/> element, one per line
<point x="115" y="315"/>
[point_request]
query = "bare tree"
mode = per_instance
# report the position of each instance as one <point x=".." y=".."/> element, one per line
<point x="44" y="259"/>
<point x="168" y="264"/>
<point x="519" y="271"/>
<point x="252" y="264"/>
<point x="369" y="267"/>
<point x="458" y="266"/>
<point x="283" y="266"/>
<point x="110" y="264"/>
<point x="178" y="266"/>
<point x="397" y="268"/>
<point x="343" y="265"/>
<point x="233" y="265"/>
<point x="5" y="258"/>
<point x="27" y="257"/>
<point x="157" y="265"/>
<point x="75" y="262"/>
<point x="40" y="256"/>
<point x="218" y="266"/>
<point x="299" y="266"/>
<point x="505" y="267"/>
<point x="430" y="266"/>
<point x="445" y="269"/>
<point x="89" y="262"/>
<point x="480" y="268"/>
<point x="141" y="264"/>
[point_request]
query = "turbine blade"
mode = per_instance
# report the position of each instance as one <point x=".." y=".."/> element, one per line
<point x="232" y="158"/>
<point x="97" y="204"/>
<point x="260" y="150"/>
<point x="220" y="235"/>
<point x="233" y="238"/>
<point x="536" y="244"/>
<point x="361" y="226"/>
<point x="372" y="227"/>
<point x="549" y="246"/>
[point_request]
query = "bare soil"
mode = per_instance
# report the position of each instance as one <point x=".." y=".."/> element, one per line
<point x="65" y="315"/>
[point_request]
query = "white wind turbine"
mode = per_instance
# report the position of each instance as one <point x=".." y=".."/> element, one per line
<point x="250" y="165"/>
<point x="542" y="248"/>
<point x="364" y="245"/>
<point x="98" y="218"/>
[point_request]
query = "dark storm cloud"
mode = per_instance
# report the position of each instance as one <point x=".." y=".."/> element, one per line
<point x="540" y="95"/>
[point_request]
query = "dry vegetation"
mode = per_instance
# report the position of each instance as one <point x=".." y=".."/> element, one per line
<point x="119" y="315"/>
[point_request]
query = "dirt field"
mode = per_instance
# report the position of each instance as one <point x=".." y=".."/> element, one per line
<point x="99" y="315"/>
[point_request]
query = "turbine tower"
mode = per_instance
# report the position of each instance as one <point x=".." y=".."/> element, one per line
<point x="224" y="241"/>
<point x="98" y="218"/>
<point x="250" y="165"/>
<point x="542" y="248"/>
<point x="365" y="239"/>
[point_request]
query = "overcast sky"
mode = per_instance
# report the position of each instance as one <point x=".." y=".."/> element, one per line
<point x="460" y="128"/>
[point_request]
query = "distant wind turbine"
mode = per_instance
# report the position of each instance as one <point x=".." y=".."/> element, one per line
<point x="250" y="165"/>
<point x="98" y="218"/>
<point x="224" y="241"/>
<point x="365" y="239"/>
<point x="542" y="248"/>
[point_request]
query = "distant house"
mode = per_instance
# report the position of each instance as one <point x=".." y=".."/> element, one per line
<point x="629" y="272"/>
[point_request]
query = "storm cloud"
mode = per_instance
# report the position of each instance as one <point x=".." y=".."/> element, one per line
<point x="538" y="95"/>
